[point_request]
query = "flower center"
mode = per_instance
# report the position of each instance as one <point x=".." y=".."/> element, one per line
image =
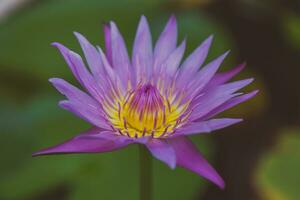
<point x="145" y="109"/>
<point x="145" y="112"/>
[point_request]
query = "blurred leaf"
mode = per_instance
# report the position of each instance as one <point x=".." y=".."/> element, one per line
<point x="25" y="130"/>
<point x="115" y="177"/>
<point x="41" y="173"/>
<point x="278" y="173"/>
<point x="291" y="28"/>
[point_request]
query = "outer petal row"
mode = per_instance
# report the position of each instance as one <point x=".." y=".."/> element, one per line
<point x="94" y="140"/>
<point x="178" y="151"/>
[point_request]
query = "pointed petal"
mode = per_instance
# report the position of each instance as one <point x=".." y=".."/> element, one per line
<point x="86" y="78"/>
<point x="163" y="151"/>
<point x="206" y="126"/>
<point x="79" y="70"/>
<point x="93" y="115"/>
<point x="229" y="88"/>
<point x="73" y="93"/>
<point x="223" y="77"/>
<point x="107" y="38"/>
<point x="142" y="54"/>
<point x="166" y="42"/>
<point x="92" y="56"/>
<point x="65" y="53"/>
<point x="216" y="97"/>
<point x="173" y="60"/>
<point x="92" y="141"/>
<point x="190" y="158"/>
<point x="205" y="75"/>
<point x="120" y="58"/>
<point x="229" y="104"/>
<point x="208" y="104"/>
<point x="107" y="66"/>
<point x="195" y="60"/>
<point x="112" y="84"/>
<point x="80" y="103"/>
<point x="210" y="69"/>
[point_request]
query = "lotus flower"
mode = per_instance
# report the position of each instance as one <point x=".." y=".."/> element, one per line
<point x="153" y="99"/>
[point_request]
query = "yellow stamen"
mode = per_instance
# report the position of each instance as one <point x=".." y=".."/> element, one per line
<point x="145" y="112"/>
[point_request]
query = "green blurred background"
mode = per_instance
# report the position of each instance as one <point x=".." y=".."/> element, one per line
<point x="259" y="158"/>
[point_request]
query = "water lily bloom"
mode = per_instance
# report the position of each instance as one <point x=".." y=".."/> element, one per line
<point x="153" y="98"/>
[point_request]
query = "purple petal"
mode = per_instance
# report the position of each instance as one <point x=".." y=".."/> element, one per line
<point x="142" y="54"/>
<point x="190" y="158"/>
<point x="195" y="60"/>
<point x="229" y="88"/>
<point x="221" y="78"/>
<point x="113" y="83"/>
<point x="107" y="38"/>
<point x="208" y="104"/>
<point x="172" y="62"/>
<point x="65" y="53"/>
<point x="216" y="97"/>
<point x="120" y="58"/>
<point x="229" y="104"/>
<point x="205" y="75"/>
<point x="92" y="141"/>
<point x="80" y="103"/>
<point x="88" y="113"/>
<point x="73" y="93"/>
<point x="206" y="126"/>
<point x="92" y="56"/>
<point x="79" y="70"/>
<point x="163" y="151"/>
<point x="107" y="66"/>
<point x="209" y="70"/>
<point x="166" y="42"/>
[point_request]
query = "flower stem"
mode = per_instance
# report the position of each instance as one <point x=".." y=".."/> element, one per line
<point x="145" y="174"/>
